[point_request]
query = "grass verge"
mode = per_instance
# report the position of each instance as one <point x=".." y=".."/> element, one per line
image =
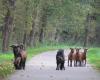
<point x="94" y="57"/>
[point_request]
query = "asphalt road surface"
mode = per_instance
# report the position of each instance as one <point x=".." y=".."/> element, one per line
<point x="43" y="67"/>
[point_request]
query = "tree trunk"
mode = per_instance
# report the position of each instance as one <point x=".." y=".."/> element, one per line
<point x="86" y="32"/>
<point x="43" y="21"/>
<point x="25" y="40"/>
<point x="41" y="35"/>
<point x="32" y="32"/>
<point x="6" y="31"/>
<point x="8" y="22"/>
<point x="42" y="29"/>
<point x="86" y="37"/>
<point x="31" y="38"/>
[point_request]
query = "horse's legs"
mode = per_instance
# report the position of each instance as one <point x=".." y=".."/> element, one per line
<point x="70" y="63"/>
<point x="16" y="67"/>
<point x="57" y="65"/>
<point x="62" y="66"/>
<point x="24" y="63"/>
<point x="80" y="63"/>
<point x="74" y="63"/>
<point x="85" y="62"/>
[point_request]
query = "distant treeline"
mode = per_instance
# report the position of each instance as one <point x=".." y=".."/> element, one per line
<point x="33" y="22"/>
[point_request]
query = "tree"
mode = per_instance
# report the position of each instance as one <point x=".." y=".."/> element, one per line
<point x="8" y="23"/>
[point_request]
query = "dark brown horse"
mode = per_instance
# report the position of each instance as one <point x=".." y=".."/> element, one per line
<point x="23" y="57"/>
<point x="19" y="56"/>
<point x="70" y="57"/>
<point x="76" y="56"/>
<point x="83" y="57"/>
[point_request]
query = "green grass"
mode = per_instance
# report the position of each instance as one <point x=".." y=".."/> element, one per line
<point x="6" y="66"/>
<point x="94" y="57"/>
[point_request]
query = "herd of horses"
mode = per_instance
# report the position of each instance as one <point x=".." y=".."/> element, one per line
<point x="75" y="55"/>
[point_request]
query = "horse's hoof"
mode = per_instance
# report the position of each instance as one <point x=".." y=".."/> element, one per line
<point x="57" y="69"/>
<point x="64" y="69"/>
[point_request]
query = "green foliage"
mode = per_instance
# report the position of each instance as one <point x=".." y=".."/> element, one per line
<point x="60" y="20"/>
<point x="94" y="57"/>
<point x="6" y="68"/>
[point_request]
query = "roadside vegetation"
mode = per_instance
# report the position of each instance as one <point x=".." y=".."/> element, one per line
<point x="94" y="57"/>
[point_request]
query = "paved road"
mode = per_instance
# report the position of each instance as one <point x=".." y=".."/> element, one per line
<point x="42" y="67"/>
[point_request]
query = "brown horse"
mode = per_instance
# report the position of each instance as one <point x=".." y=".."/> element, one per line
<point x="70" y="57"/>
<point x="76" y="56"/>
<point x="83" y="56"/>
<point x="19" y="56"/>
<point x="23" y="58"/>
